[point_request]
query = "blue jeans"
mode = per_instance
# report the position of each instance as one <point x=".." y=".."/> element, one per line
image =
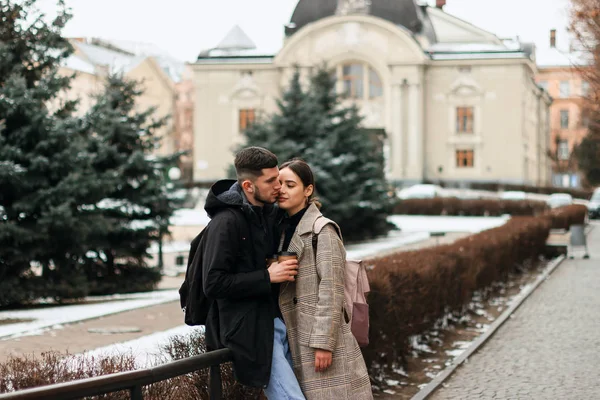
<point x="283" y="384"/>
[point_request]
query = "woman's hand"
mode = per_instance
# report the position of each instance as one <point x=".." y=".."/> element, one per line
<point x="322" y="360"/>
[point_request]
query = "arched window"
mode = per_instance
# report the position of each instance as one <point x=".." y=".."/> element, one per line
<point x="358" y="81"/>
<point x="375" y="86"/>
<point x="352" y="76"/>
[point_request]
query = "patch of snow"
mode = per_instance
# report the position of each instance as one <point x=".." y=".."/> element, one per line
<point x="392" y="382"/>
<point x="45" y="318"/>
<point x="123" y="205"/>
<point x="170" y="247"/>
<point x="394" y="240"/>
<point x="423" y="223"/>
<point x="455" y="352"/>
<point x="78" y="64"/>
<point x="416" y="344"/>
<point x="147" y="350"/>
<point x="189" y="217"/>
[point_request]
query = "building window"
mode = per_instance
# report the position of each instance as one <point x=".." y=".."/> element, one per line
<point x="375" y="86"/>
<point x="465" y="158"/>
<point x="247" y="117"/>
<point x="565" y="89"/>
<point x="464" y="119"/>
<point x="564" y="119"/>
<point x="585" y="88"/>
<point x="543" y="85"/>
<point x="352" y="76"/>
<point x="562" y="150"/>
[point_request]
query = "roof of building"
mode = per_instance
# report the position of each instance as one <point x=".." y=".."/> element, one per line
<point x="123" y="56"/>
<point x="441" y="35"/>
<point x="236" y="39"/>
<point x="78" y="64"/>
<point x="399" y="12"/>
<point x="236" y="43"/>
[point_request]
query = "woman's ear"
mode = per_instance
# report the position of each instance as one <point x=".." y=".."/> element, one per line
<point x="309" y="190"/>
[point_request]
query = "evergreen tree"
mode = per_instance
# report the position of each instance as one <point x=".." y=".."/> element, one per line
<point x="138" y="201"/>
<point x="288" y="133"/>
<point x="347" y="160"/>
<point x="349" y="165"/>
<point x="42" y="160"/>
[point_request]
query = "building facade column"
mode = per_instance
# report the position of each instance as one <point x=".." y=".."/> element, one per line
<point x="415" y="151"/>
<point x="397" y="159"/>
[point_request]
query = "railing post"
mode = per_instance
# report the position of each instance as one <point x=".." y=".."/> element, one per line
<point x="136" y="393"/>
<point x="215" y="387"/>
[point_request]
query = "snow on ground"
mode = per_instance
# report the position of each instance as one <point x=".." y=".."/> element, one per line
<point x="394" y="240"/>
<point x="147" y="349"/>
<point x="189" y="217"/>
<point x="420" y="223"/>
<point x="53" y="317"/>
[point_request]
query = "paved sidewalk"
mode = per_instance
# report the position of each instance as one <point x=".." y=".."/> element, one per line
<point x="549" y="349"/>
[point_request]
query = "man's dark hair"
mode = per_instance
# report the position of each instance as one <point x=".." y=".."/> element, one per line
<point x="250" y="162"/>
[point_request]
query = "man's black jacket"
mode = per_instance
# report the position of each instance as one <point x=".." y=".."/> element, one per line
<point x="235" y="281"/>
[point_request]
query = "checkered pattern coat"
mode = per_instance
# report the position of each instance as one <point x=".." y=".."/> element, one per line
<point x="312" y="308"/>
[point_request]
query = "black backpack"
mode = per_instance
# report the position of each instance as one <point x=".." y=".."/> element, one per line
<point x="193" y="301"/>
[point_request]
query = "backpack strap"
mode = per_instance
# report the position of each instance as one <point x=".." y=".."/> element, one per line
<point x="318" y="226"/>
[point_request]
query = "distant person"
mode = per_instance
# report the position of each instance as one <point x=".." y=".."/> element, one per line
<point x="236" y="280"/>
<point x="326" y="356"/>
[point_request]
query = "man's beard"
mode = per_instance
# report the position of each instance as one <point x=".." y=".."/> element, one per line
<point x="259" y="197"/>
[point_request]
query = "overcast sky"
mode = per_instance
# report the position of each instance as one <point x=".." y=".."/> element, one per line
<point x="185" y="27"/>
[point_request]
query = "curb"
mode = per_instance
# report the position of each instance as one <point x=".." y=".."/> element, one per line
<point x="481" y="340"/>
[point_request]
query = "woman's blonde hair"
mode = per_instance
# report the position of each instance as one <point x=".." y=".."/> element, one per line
<point x="304" y="172"/>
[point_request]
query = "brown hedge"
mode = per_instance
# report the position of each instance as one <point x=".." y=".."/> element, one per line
<point x="411" y="290"/>
<point x="469" y="207"/>
<point x="564" y="217"/>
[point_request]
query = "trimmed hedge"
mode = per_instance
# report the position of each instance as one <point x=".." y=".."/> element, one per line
<point x="469" y="207"/>
<point x="564" y="217"/>
<point x="410" y="291"/>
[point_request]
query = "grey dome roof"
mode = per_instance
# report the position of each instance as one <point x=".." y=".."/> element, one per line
<point x="399" y="12"/>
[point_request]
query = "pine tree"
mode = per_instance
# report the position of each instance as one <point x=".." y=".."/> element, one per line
<point x="42" y="160"/>
<point x="351" y="179"/>
<point x="138" y="201"/>
<point x="288" y="133"/>
<point x="347" y="160"/>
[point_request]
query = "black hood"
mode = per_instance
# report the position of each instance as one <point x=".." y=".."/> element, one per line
<point x="228" y="193"/>
<point x="224" y="194"/>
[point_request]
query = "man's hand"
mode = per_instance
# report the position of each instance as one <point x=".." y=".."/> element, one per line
<point x="322" y="360"/>
<point x="284" y="271"/>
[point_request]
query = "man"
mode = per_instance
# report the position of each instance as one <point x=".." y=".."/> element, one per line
<point x="235" y="277"/>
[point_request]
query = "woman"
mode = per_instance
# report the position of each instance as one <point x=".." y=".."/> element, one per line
<point x="326" y="358"/>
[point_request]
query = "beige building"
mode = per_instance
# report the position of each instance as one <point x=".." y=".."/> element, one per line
<point x="161" y="78"/>
<point x="457" y="103"/>
<point x="558" y="75"/>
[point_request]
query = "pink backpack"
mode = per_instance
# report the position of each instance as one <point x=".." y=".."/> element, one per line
<point x="356" y="286"/>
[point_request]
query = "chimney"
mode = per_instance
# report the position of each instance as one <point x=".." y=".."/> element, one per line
<point x="440" y="4"/>
<point x="553" y="38"/>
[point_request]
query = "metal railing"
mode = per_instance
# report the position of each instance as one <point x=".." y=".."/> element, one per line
<point x="131" y="380"/>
